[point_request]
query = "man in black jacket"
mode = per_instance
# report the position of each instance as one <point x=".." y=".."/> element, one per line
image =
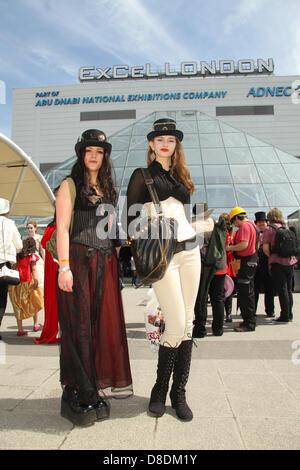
<point x="262" y="280"/>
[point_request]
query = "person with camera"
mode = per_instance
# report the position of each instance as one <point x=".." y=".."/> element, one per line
<point x="245" y="248"/>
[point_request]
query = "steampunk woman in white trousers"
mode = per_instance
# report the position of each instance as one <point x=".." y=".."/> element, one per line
<point x="177" y="291"/>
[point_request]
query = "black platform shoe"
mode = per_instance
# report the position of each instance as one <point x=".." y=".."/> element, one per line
<point x="102" y="408"/>
<point x="72" y="410"/>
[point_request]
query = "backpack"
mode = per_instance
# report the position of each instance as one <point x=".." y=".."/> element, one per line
<point x="285" y="242"/>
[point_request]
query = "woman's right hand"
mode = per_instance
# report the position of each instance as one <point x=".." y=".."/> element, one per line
<point x="65" y="281"/>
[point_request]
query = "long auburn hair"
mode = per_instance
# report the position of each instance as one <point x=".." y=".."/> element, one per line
<point x="32" y="222"/>
<point x="80" y="175"/>
<point x="179" y="168"/>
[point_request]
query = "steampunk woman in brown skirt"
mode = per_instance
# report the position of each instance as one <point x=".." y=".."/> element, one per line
<point x="94" y="351"/>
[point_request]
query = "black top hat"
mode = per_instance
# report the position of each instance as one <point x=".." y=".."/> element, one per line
<point x="260" y="216"/>
<point x="165" y="126"/>
<point x="93" y="138"/>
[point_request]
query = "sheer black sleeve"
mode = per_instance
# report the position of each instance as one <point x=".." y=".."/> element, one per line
<point x="136" y="194"/>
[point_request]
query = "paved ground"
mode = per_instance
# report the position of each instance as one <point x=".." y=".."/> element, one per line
<point x="244" y="390"/>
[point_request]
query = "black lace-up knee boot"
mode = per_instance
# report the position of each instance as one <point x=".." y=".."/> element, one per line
<point x="180" y="378"/>
<point x="166" y="359"/>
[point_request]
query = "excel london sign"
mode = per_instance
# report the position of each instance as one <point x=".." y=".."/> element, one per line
<point x="186" y="69"/>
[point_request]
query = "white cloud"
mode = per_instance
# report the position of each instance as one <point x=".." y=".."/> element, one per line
<point x="41" y="56"/>
<point x="141" y="32"/>
<point x="108" y="32"/>
<point x="243" y="13"/>
<point x="125" y="29"/>
<point x="266" y="28"/>
<point x="294" y="53"/>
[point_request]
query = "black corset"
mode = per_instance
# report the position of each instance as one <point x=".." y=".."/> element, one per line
<point x="86" y="219"/>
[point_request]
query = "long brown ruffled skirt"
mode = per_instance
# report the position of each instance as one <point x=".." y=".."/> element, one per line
<point x="93" y="346"/>
<point x="26" y="300"/>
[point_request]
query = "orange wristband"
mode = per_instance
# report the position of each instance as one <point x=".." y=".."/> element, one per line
<point x="63" y="261"/>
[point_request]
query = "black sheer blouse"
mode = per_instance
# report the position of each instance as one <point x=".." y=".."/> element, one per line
<point x="165" y="185"/>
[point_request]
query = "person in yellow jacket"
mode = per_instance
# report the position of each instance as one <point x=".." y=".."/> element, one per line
<point x="245" y="248"/>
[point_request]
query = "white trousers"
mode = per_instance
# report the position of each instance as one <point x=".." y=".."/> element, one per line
<point x="176" y="294"/>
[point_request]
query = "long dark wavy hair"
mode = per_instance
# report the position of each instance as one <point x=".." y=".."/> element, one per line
<point x="105" y="178"/>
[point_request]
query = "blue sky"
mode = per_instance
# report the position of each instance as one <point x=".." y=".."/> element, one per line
<point x="44" y="42"/>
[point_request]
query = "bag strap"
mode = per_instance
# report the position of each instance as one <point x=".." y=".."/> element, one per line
<point x="72" y="189"/>
<point x="278" y="228"/>
<point x="257" y="236"/>
<point x="3" y="239"/>
<point x="151" y="188"/>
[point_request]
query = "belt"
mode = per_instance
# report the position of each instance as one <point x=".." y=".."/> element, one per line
<point x="185" y="245"/>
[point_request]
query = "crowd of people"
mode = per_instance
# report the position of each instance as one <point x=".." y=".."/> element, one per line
<point x="82" y="287"/>
<point x="253" y="262"/>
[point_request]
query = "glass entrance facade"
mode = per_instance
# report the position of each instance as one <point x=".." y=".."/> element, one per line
<point x="229" y="167"/>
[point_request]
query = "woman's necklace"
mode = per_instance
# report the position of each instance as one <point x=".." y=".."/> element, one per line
<point x="97" y="188"/>
<point x="95" y="198"/>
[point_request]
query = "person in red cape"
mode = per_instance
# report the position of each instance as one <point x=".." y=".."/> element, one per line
<point x="50" y="329"/>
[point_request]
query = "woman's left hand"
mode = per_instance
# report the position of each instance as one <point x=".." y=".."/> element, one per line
<point x="65" y="281"/>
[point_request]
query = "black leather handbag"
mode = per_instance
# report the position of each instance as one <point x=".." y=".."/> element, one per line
<point x="153" y="245"/>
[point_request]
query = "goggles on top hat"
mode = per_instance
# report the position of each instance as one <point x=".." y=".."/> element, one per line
<point x="92" y="138"/>
<point x="165" y="126"/>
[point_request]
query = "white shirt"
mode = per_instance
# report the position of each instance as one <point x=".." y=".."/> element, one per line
<point x="10" y="240"/>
